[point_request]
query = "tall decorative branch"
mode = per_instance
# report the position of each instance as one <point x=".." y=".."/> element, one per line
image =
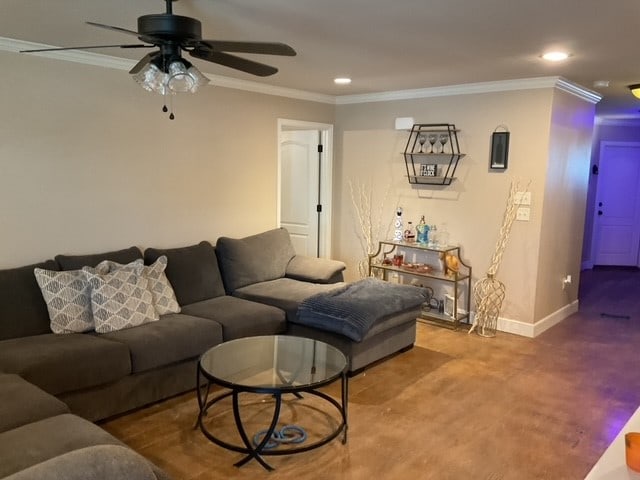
<point x="369" y="222"/>
<point x="489" y="292"/>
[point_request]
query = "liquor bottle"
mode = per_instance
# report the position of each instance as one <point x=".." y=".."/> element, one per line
<point x="422" y="230"/>
<point x="409" y="234"/>
<point x="398" y="231"/>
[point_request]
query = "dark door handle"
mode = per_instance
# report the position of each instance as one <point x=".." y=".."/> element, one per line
<point x="599" y="212"/>
<point x="599" y="204"/>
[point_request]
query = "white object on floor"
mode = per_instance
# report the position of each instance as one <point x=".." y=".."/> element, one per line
<point x="612" y="464"/>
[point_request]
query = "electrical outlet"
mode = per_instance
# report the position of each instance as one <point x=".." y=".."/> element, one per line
<point x="523" y="214"/>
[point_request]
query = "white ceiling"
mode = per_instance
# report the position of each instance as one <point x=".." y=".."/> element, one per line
<point x="383" y="45"/>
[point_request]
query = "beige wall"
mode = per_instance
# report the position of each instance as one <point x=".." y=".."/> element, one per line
<point x="473" y="206"/>
<point x="564" y="203"/>
<point x="88" y="162"/>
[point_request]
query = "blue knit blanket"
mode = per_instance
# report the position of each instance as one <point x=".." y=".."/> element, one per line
<point x="353" y="309"/>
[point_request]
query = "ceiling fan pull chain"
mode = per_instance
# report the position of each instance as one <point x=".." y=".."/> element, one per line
<point x="171" y="115"/>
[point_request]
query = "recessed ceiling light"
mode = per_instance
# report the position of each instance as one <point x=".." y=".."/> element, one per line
<point x="342" y="81"/>
<point x="555" y="56"/>
<point x="601" y="83"/>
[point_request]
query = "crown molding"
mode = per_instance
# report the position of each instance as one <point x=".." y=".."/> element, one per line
<point x="618" y="121"/>
<point x="577" y="90"/>
<point x="96" y="59"/>
<point x="474" y="88"/>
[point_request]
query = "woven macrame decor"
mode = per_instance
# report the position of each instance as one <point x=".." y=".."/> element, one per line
<point x="489" y="292"/>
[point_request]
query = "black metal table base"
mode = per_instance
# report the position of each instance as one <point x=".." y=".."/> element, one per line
<point x="256" y="452"/>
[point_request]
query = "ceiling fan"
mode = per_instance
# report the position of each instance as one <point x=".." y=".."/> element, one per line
<point x="164" y="70"/>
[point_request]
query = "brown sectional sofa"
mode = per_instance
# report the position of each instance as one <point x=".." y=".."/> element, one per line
<point x="241" y="287"/>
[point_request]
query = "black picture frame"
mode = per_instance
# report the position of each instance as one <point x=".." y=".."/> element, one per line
<point x="499" y="151"/>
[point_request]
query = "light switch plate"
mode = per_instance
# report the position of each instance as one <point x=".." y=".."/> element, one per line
<point x="522" y="198"/>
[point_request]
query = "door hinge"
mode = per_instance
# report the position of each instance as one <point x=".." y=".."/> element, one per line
<point x="319" y="208"/>
<point x="319" y="148"/>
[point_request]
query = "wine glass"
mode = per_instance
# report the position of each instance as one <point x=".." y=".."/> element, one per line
<point x="422" y="139"/>
<point x="432" y="140"/>
<point x="444" y="138"/>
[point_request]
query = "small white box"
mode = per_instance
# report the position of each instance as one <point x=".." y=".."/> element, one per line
<point x="448" y="306"/>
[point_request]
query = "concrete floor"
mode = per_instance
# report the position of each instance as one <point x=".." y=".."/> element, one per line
<point x="455" y="407"/>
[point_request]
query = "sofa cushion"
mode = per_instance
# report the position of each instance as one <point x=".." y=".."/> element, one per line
<point x="174" y="338"/>
<point x="120" y="299"/>
<point x="284" y="293"/>
<point x="238" y="317"/>
<point x="193" y="271"/>
<point x="39" y="441"/>
<point x="23" y="311"/>
<point x="97" y="462"/>
<point x="23" y="402"/>
<point x="254" y="259"/>
<point x="76" y="262"/>
<point x="68" y="298"/>
<point x="62" y="363"/>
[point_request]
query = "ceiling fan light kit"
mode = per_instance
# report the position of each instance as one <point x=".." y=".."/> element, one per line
<point x="635" y="89"/>
<point x="181" y="77"/>
<point x="165" y="71"/>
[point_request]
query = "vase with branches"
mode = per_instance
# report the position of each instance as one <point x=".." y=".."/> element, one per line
<point x="368" y="220"/>
<point x="489" y="292"/>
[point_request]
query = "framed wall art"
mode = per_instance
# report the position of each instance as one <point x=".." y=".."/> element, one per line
<point x="499" y="150"/>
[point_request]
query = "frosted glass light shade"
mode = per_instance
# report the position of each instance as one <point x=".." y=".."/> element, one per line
<point x="151" y="78"/>
<point x="635" y="89"/>
<point x="180" y="77"/>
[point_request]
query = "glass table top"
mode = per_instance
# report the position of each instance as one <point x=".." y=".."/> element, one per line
<point x="278" y="362"/>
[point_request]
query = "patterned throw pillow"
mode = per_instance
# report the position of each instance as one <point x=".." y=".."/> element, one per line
<point x="120" y="299"/>
<point x="68" y="298"/>
<point x="164" y="298"/>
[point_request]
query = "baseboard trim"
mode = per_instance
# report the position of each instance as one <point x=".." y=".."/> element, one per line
<point x="587" y="265"/>
<point x="532" y="330"/>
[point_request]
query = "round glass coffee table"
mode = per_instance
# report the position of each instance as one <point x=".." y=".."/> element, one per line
<point x="274" y="365"/>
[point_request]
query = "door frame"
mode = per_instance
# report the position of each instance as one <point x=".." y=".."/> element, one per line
<point x="326" y="177"/>
<point x="594" y="229"/>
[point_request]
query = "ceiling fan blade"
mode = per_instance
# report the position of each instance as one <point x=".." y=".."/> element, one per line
<point x="117" y="29"/>
<point x="144" y="61"/>
<point x="249" y="66"/>
<point x="86" y="47"/>
<point x="264" y="48"/>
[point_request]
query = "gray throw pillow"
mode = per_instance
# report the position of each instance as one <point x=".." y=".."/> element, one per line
<point x="68" y="298"/>
<point x="120" y="299"/>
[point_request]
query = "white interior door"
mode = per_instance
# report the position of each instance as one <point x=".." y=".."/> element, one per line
<point x="299" y="187"/>
<point x="617" y="209"/>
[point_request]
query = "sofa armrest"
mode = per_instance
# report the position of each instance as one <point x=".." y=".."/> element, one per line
<point x="317" y="270"/>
